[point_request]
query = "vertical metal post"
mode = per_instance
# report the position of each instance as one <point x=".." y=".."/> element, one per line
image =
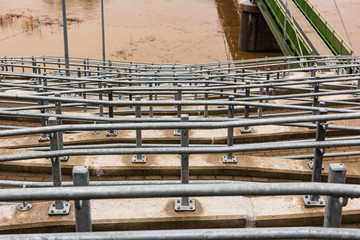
<point x="206" y="107"/>
<point x="57" y="208"/>
<point x="246" y="129"/>
<point x="82" y="207"/>
<point x="66" y="46"/>
<point x="101" y="106"/>
<point x="315" y="98"/>
<point x="138" y="158"/>
<point x="6" y="65"/>
<point x="178" y="98"/>
<point x="59" y="122"/>
<point x="230" y="158"/>
<point x="333" y="209"/>
<point x="44" y="137"/>
<point x="151" y="115"/>
<point x="22" y="64"/>
<point x="33" y="63"/>
<point x="103" y="31"/>
<point x="130" y="94"/>
<point x="221" y="95"/>
<point x="317" y="164"/>
<point x="84" y="97"/>
<point x="111" y="132"/>
<point x="235" y="81"/>
<point x="177" y="132"/>
<point x="267" y="88"/>
<point x="184" y="204"/>
<point x="260" y="109"/>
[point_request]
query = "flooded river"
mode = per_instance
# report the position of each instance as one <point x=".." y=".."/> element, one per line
<point x="181" y="31"/>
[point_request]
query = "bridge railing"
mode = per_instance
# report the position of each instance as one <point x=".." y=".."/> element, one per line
<point x="299" y="45"/>
<point x="336" y="43"/>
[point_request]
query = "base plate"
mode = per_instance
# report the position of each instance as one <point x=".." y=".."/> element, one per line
<point x="24" y="207"/>
<point x="177" y="132"/>
<point x="309" y="203"/>
<point x="226" y="160"/>
<point x="245" y="130"/>
<point x="134" y="159"/>
<point x="111" y="133"/>
<point x="64" y="158"/>
<point x="311" y="165"/>
<point x="180" y="208"/>
<point x="64" y="211"/>
<point x="44" y="139"/>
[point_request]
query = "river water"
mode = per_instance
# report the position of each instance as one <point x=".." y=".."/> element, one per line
<point x="163" y="31"/>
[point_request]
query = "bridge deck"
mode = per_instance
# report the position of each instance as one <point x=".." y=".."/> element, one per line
<point x="318" y="45"/>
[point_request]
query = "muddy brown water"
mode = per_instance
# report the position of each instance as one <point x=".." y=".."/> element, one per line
<point x="164" y="31"/>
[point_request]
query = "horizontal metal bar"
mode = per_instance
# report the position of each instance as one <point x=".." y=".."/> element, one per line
<point x="28" y="184"/>
<point x="181" y="150"/>
<point x="311" y="156"/>
<point x="179" y="190"/>
<point x="202" y="234"/>
<point x="190" y="125"/>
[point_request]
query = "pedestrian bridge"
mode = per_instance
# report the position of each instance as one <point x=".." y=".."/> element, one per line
<point x="300" y="29"/>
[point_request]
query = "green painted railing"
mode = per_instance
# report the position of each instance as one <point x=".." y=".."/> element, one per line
<point x="293" y="36"/>
<point x="326" y="31"/>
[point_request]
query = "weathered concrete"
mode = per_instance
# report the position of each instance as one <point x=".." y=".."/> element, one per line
<point x="207" y="165"/>
<point x="144" y="214"/>
<point x="255" y="35"/>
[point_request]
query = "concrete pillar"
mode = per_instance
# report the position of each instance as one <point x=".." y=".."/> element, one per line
<point x="255" y="35"/>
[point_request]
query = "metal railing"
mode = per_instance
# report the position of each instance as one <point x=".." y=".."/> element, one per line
<point x="290" y="33"/>
<point x="182" y="98"/>
<point x="336" y="43"/>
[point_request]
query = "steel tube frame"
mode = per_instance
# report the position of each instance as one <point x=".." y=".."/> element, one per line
<point x="82" y="207"/>
<point x="203" y="234"/>
<point x="172" y="125"/>
<point x="333" y="209"/>
<point x="180" y="190"/>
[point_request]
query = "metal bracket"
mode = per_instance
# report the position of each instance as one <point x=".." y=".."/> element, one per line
<point x="64" y="158"/>
<point x="311" y="165"/>
<point x="226" y="160"/>
<point x="177" y="132"/>
<point x="181" y="208"/>
<point x="221" y="106"/>
<point x="65" y="211"/>
<point x="134" y="159"/>
<point x="96" y="132"/>
<point x="24" y="206"/>
<point x="44" y="138"/>
<point x="308" y="203"/>
<point x="245" y="130"/>
<point x="110" y="133"/>
<point x="343" y="201"/>
<point x="325" y="125"/>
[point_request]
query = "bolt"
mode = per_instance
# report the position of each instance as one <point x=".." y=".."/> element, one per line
<point x="64" y="211"/>
<point x="308" y="202"/>
<point x="321" y="202"/>
<point x="191" y="207"/>
<point x="178" y="207"/>
<point x="306" y="196"/>
<point x="52" y="211"/>
<point x="178" y="201"/>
